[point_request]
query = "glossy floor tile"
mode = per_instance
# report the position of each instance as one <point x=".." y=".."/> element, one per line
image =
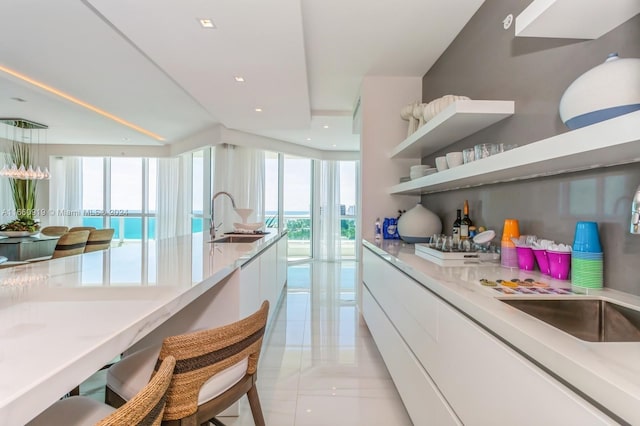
<point x="319" y="364"/>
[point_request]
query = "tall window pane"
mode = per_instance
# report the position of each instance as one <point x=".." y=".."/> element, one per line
<point x="348" y="212"/>
<point x="126" y="184"/>
<point x="271" y="189"/>
<point x="92" y="183"/>
<point x="197" y="185"/>
<point x="297" y="206"/>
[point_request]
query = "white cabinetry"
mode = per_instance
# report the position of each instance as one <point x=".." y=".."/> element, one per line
<point x="463" y="372"/>
<point x="400" y="332"/>
<point x="260" y="279"/>
<point x="611" y="142"/>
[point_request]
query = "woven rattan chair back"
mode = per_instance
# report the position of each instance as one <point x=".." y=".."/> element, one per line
<point x="147" y="407"/>
<point x="99" y="239"/>
<point x="54" y="231"/>
<point x="202" y="354"/>
<point x="82" y="228"/>
<point x="71" y="243"/>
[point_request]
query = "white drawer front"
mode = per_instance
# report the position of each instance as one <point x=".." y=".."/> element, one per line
<point x="489" y="383"/>
<point x="423" y="401"/>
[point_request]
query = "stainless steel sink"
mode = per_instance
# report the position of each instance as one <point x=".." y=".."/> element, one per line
<point x="593" y="320"/>
<point x="237" y="239"/>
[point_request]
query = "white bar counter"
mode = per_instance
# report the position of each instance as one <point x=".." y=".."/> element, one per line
<point x="63" y="319"/>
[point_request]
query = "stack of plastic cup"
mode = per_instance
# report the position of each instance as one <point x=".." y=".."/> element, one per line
<point x="586" y="257"/>
<point x="508" y="252"/>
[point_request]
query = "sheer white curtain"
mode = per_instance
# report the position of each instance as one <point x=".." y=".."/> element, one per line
<point x="239" y="171"/>
<point x="172" y="209"/>
<point x="328" y="240"/>
<point x="6" y="199"/>
<point x="65" y="192"/>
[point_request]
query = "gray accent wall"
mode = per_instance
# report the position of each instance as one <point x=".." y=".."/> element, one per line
<point x="487" y="62"/>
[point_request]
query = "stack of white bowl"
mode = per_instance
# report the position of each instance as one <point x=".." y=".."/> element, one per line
<point x="420" y="170"/>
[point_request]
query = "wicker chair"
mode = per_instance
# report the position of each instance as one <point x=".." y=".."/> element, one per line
<point x="69" y="244"/>
<point x="214" y="369"/>
<point x="82" y="228"/>
<point x="73" y="242"/>
<point x="145" y="408"/>
<point x="99" y="239"/>
<point x="54" y="231"/>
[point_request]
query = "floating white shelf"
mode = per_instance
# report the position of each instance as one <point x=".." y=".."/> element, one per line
<point x="608" y="143"/>
<point x="457" y="121"/>
<point x="579" y="19"/>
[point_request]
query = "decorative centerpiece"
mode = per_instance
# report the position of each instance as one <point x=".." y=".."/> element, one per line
<point x="23" y="180"/>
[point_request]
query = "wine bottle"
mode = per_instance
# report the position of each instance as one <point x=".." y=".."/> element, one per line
<point x="466" y="222"/>
<point x="456" y="226"/>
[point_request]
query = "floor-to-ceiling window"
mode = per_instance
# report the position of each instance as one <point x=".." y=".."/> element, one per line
<point x="348" y="208"/>
<point x="272" y="189"/>
<point x="297" y="196"/>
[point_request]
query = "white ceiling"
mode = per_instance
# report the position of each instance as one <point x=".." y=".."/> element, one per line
<point x="150" y="63"/>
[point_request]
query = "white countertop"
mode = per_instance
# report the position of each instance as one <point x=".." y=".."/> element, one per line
<point x="63" y="319"/>
<point x="608" y="373"/>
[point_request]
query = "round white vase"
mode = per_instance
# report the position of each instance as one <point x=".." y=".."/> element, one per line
<point x="418" y="224"/>
<point x="606" y="91"/>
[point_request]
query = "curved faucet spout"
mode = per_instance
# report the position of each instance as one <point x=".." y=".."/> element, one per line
<point x="212" y="229"/>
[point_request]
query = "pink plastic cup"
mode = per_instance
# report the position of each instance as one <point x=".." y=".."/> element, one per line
<point x="526" y="261"/>
<point x="559" y="264"/>
<point x="543" y="262"/>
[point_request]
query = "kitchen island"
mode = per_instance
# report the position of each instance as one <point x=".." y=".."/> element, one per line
<point x="63" y="319"/>
<point x="458" y="354"/>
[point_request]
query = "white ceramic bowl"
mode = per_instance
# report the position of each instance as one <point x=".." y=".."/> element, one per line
<point x="253" y="226"/>
<point x="441" y="163"/>
<point x="454" y="159"/>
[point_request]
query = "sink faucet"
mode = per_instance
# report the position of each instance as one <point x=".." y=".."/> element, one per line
<point x="212" y="229"/>
<point x="635" y="213"/>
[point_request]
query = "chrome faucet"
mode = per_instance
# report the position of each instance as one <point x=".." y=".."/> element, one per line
<point x="212" y="229"/>
<point x="635" y="213"/>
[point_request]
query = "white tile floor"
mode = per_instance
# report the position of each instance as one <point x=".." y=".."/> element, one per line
<point x="319" y="364"/>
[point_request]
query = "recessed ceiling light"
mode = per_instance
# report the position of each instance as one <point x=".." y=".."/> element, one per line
<point x="326" y="126"/>
<point x="334" y="145"/>
<point x="207" y="23"/>
<point x="239" y="79"/>
<point x="258" y="109"/>
<point x="308" y="139"/>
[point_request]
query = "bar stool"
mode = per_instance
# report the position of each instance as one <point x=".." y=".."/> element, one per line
<point x="69" y="244"/>
<point x="145" y="408"/>
<point x="214" y="369"/>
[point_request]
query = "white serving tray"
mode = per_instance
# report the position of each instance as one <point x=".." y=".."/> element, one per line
<point x="454" y="258"/>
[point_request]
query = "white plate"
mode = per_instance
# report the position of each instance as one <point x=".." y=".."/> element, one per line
<point x="484" y="237"/>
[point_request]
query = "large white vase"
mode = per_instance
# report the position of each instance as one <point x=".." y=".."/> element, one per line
<point x="605" y="91"/>
<point x="418" y="224"/>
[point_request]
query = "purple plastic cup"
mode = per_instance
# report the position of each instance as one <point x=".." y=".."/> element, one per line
<point x="559" y="264"/>
<point x="526" y="261"/>
<point x="543" y="262"/>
